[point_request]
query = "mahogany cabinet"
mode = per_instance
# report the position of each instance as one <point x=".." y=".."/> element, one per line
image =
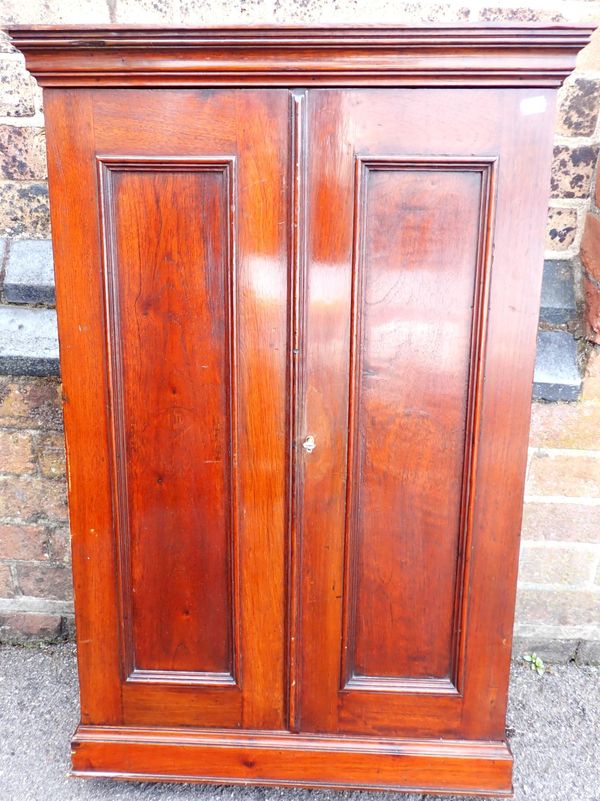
<point x="297" y="282"/>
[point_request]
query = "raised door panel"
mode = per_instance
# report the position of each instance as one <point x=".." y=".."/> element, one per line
<point x="183" y="288"/>
<point x="170" y="284"/>
<point x="420" y="279"/>
<point x="418" y="284"/>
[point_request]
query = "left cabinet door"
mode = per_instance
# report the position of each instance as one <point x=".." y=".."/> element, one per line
<point x="169" y="215"/>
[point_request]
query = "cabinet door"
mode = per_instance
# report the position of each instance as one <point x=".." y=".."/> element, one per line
<point x="171" y="260"/>
<point x="424" y="250"/>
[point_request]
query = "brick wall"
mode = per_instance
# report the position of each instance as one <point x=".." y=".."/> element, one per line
<point x="559" y="586"/>
<point x="590" y="262"/>
<point x="558" y="608"/>
<point x="35" y="579"/>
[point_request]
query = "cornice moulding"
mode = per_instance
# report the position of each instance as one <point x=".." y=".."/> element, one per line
<point x="115" y="56"/>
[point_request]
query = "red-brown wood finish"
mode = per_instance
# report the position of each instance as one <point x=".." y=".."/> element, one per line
<point x="169" y="283"/>
<point x="182" y="326"/>
<point x="268" y="235"/>
<point x="422" y="419"/>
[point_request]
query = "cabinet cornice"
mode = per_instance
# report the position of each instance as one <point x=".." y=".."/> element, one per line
<point x="295" y="56"/>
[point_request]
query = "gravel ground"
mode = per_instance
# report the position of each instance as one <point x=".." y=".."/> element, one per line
<point x="554" y="729"/>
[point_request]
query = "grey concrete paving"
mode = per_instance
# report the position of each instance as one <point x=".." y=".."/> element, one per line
<point x="554" y="729"/>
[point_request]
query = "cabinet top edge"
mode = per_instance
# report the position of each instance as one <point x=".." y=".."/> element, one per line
<point x="341" y="55"/>
<point x="79" y="36"/>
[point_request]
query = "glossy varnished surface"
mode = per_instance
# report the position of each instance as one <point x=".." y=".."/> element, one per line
<point x="405" y="314"/>
<point x="243" y="272"/>
<point x="190" y="271"/>
<point x="170" y="288"/>
<point x="415" y="274"/>
<point x="371" y="55"/>
<point x="294" y="760"/>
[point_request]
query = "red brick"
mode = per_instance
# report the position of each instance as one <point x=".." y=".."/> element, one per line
<point x="560" y="521"/>
<point x="59" y="544"/>
<point x="7" y="588"/>
<point x="551" y="565"/>
<point x="22" y="542"/>
<point x="30" y="403"/>
<point x="16" y="448"/>
<point x="590" y="258"/>
<point x="590" y="246"/>
<point x="564" y="607"/>
<point x="51" y="454"/>
<point x="565" y="425"/>
<point x="570" y="475"/>
<point x="591" y="381"/>
<point x="45" y="581"/>
<point x="591" y="293"/>
<point x="24" y="626"/>
<point x="30" y="498"/>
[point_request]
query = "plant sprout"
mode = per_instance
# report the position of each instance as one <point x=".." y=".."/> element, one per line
<point x="535" y="663"/>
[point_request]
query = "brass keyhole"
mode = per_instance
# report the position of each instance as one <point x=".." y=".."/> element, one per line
<point x="309" y="444"/>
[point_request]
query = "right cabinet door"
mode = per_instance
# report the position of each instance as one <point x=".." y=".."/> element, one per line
<point x="424" y="217"/>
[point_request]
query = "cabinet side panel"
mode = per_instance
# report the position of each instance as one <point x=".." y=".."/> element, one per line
<point x="168" y="276"/>
<point x="523" y="181"/>
<point x="74" y="206"/>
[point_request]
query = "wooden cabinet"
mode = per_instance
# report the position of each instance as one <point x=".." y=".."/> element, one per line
<point x="297" y="283"/>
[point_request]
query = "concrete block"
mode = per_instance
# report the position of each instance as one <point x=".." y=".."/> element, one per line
<point x="28" y="341"/>
<point x="556" y="376"/>
<point x="552" y="651"/>
<point x="558" y="293"/>
<point x="588" y="653"/>
<point x="29" y="274"/>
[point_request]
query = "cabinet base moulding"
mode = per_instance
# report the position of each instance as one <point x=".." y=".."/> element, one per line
<point x="314" y="761"/>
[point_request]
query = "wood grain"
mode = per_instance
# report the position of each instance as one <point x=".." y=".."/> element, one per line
<point x="393" y="613"/>
<point x="492" y="55"/>
<point x="417" y="289"/>
<point x="170" y="290"/>
<point x="457" y="767"/>
<point x="350" y="262"/>
<point x="194" y="275"/>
